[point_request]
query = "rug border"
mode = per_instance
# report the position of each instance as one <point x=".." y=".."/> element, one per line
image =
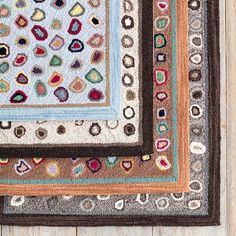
<point x="142" y="147"/>
<point x="213" y="218"/>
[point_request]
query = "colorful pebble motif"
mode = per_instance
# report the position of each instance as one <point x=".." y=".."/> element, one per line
<point x="51" y="47"/>
<point x="162" y="127"/>
<point x="91" y="79"/>
<point x="191" y="203"/>
<point x="162" y="83"/>
<point x="93" y="76"/>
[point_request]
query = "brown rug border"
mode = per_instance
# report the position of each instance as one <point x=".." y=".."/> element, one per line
<point x="213" y="218"/>
<point x="143" y="147"/>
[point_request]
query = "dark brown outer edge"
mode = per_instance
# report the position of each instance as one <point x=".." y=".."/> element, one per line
<point x="145" y="145"/>
<point x="214" y="148"/>
<point x="214" y="109"/>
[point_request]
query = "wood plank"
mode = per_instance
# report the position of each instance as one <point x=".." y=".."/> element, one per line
<point x="114" y="231"/>
<point x="231" y="88"/>
<point x="38" y="231"/>
<point x="222" y="230"/>
<point x="191" y="231"/>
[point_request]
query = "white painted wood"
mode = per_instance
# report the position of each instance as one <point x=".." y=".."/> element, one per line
<point x="38" y="231"/>
<point x="231" y="135"/>
<point x="115" y="231"/>
<point x="185" y="231"/>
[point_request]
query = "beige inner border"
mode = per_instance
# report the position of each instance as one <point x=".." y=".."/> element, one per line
<point x="182" y="185"/>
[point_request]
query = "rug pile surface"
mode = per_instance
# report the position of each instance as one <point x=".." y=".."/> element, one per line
<point x="107" y="112"/>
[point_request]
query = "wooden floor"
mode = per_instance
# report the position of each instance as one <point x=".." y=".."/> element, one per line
<point x="228" y="162"/>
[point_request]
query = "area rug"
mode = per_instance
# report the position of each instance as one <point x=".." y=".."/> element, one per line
<point x="129" y="132"/>
<point x="65" y="65"/>
<point x="198" y="207"/>
<point x="167" y="169"/>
